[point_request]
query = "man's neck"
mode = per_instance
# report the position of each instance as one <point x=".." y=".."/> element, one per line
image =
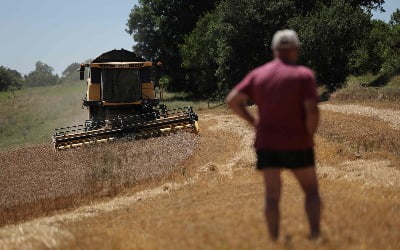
<point x="287" y="61"/>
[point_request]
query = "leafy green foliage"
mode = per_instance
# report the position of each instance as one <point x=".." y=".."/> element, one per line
<point x="329" y="35"/>
<point x="391" y="66"/>
<point x="229" y="42"/>
<point x="379" y="52"/>
<point x="198" y="53"/>
<point x="208" y="46"/>
<point x="368" y="58"/>
<point x="9" y="79"/>
<point x="158" y="27"/>
<point x="41" y="76"/>
<point x="306" y="6"/>
<point x="235" y="38"/>
<point x="367" y="4"/>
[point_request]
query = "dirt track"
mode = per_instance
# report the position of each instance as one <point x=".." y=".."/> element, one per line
<point x="217" y="201"/>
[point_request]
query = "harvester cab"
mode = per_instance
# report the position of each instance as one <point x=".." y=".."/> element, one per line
<point x="122" y="103"/>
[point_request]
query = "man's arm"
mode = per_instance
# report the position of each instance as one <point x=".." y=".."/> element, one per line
<point x="312" y="116"/>
<point x="237" y="101"/>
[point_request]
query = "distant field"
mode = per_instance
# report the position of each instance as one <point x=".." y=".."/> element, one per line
<point x="29" y="116"/>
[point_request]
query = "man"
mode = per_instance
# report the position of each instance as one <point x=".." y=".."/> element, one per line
<point x="288" y="116"/>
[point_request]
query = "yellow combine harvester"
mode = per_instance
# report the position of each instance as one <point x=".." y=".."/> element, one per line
<point x="122" y="103"/>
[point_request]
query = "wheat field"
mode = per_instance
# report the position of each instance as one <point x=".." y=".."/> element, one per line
<point x="37" y="180"/>
<point x="202" y="192"/>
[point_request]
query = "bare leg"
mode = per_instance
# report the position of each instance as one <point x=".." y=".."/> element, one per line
<point x="272" y="179"/>
<point x="309" y="183"/>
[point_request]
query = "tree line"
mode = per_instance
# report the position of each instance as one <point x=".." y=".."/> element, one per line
<point x="42" y="75"/>
<point x="208" y="46"/>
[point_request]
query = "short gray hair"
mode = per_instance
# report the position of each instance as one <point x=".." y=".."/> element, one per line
<point x="284" y="39"/>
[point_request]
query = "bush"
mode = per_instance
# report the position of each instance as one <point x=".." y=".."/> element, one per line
<point x="379" y="52"/>
<point x="70" y="73"/>
<point x="9" y="79"/>
<point x="41" y="76"/>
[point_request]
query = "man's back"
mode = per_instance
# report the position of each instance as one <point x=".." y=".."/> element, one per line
<point x="279" y="90"/>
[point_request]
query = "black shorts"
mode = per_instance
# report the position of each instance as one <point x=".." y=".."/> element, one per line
<point x="285" y="159"/>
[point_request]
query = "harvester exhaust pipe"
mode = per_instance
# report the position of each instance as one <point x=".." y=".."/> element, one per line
<point x="82" y="72"/>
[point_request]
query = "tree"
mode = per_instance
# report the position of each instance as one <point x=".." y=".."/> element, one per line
<point x="70" y="73"/>
<point x="42" y="75"/>
<point x="206" y="49"/>
<point x="395" y="18"/>
<point x="329" y="36"/>
<point x="391" y="66"/>
<point x="199" y="55"/>
<point x="232" y="40"/>
<point x="367" y="4"/>
<point x="9" y="79"/>
<point x="369" y="56"/>
<point x="380" y="50"/>
<point x="159" y="26"/>
<point x="307" y="6"/>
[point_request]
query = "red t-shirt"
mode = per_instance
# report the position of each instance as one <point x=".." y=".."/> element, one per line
<point x="279" y="90"/>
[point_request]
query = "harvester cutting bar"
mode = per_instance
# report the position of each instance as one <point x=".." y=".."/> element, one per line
<point x="139" y="126"/>
<point x="72" y="129"/>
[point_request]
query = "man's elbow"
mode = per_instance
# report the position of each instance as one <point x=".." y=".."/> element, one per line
<point x="230" y="102"/>
<point x="236" y="99"/>
<point x="316" y="110"/>
<point x="311" y="108"/>
<point x="227" y="100"/>
<point x="313" y="113"/>
<point x="230" y="99"/>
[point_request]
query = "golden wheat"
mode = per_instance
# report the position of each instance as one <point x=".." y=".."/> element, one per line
<point x="356" y="164"/>
<point x="35" y="180"/>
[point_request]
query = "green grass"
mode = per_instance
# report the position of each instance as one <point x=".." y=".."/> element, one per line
<point x="394" y="82"/>
<point x="30" y="115"/>
<point x="356" y="81"/>
<point x="358" y="89"/>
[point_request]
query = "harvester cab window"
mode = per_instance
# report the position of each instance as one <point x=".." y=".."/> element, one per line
<point x="145" y="74"/>
<point x="95" y="75"/>
<point x="120" y="85"/>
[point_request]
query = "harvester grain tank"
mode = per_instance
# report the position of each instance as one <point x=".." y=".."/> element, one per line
<point x="122" y="103"/>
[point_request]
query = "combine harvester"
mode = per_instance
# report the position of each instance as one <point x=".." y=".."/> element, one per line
<point x="122" y="104"/>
